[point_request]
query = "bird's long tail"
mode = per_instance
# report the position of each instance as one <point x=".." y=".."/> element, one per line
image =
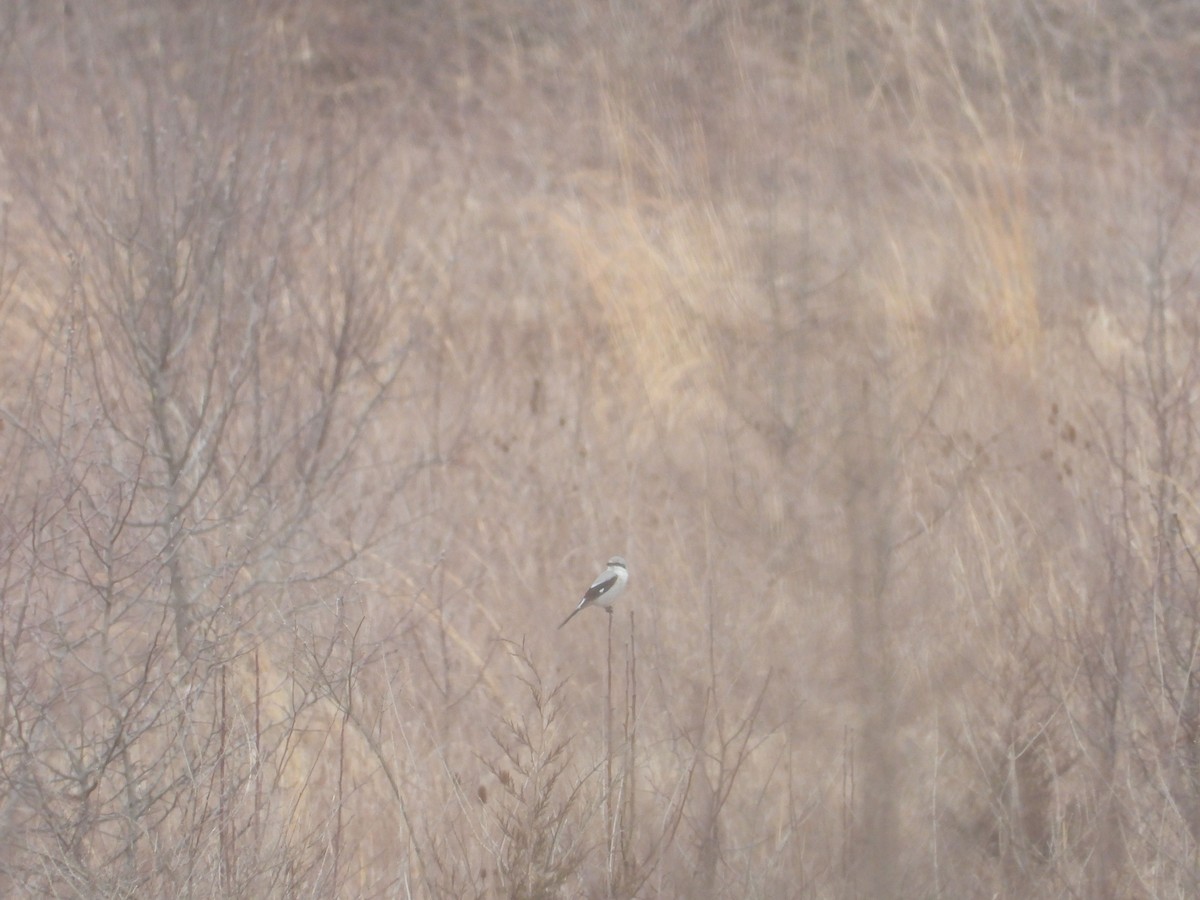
<point x="573" y="614"/>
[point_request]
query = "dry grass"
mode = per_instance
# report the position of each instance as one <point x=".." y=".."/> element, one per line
<point x="340" y="342"/>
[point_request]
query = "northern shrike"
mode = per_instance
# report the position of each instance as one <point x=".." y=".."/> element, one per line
<point x="605" y="589"/>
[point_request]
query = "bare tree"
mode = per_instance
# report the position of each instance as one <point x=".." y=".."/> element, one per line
<point x="218" y="320"/>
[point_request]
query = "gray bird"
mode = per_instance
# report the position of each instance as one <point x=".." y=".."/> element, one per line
<point x="605" y="589"/>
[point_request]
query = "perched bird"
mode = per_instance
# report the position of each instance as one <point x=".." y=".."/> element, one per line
<point x="605" y="589"/>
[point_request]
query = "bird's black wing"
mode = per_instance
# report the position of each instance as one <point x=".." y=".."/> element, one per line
<point x="599" y="589"/>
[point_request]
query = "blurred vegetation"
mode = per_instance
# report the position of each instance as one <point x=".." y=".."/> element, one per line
<point x="340" y="343"/>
